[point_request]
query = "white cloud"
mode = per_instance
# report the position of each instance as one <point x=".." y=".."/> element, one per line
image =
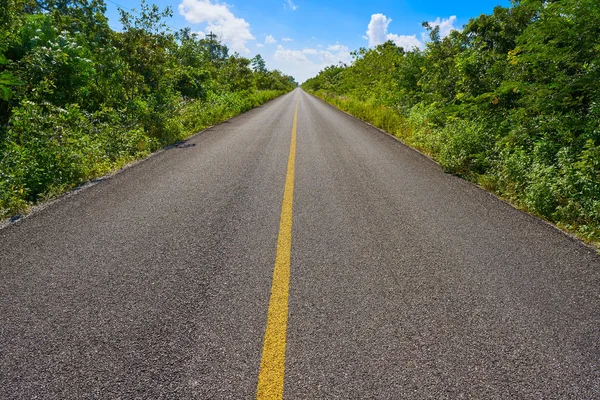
<point x="337" y="48"/>
<point x="306" y="63"/>
<point x="329" y="58"/>
<point x="290" y="4"/>
<point x="283" y="54"/>
<point x="233" y="31"/>
<point x="334" y="54"/>
<point x="407" y="42"/>
<point x="377" y="29"/>
<point x="259" y="45"/>
<point x="377" y="33"/>
<point x="446" y="25"/>
<point x="270" y="39"/>
<point x="287" y="39"/>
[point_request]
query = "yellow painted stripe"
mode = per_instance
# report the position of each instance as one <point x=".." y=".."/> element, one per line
<point x="270" y="378"/>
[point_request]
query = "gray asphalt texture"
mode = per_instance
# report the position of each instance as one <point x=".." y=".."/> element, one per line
<point x="405" y="282"/>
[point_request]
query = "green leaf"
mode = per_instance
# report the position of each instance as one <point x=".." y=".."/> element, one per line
<point x="7" y="80"/>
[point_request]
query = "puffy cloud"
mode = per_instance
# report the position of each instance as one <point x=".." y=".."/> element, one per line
<point x="287" y="39"/>
<point x="270" y="39"/>
<point x="334" y="54"/>
<point x="377" y="33"/>
<point x="330" y="58"/>
<point x="233" y="31"/>
<point x="290" y="4"/>
<point x="306" y="63"/>
<point x="283" y="54"/>
<point x="377" y="29"/>
<point x="407" y="42"/>
<point x="446" y="25"/>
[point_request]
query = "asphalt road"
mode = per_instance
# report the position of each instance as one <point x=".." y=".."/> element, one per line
<point x="405" y="282"/>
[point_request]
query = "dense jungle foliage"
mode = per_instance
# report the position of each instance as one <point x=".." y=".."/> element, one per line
<point x="512" y="102"/>
<point x="78" y="99"/>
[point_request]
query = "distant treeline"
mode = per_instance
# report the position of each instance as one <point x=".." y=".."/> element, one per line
<point x="511" y="102"/>
<point x="78" y="99"/>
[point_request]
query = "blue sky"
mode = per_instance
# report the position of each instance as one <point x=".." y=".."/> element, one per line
<point x="301" y="37"/>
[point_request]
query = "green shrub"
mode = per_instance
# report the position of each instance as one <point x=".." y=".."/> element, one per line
<point x="464" y="147"/>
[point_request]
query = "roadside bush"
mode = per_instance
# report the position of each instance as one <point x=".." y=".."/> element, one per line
<point x="78" y="99"/>
<point x="464" y="147"/>
<point x="49" y="148"/>
<point x="511" y="101"/>
<point x="216" y="108"/>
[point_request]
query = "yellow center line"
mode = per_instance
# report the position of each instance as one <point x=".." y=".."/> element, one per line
<point x="270" y="378"/>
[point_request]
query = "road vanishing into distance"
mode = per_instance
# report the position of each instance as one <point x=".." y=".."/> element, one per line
<point x="295" y="251"/>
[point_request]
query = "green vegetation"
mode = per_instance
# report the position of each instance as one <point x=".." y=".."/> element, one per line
<point x="512" y="102"/>
<point x="78" y="99"/>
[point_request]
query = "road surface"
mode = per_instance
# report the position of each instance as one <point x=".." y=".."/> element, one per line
<point x="395" y="280"/>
